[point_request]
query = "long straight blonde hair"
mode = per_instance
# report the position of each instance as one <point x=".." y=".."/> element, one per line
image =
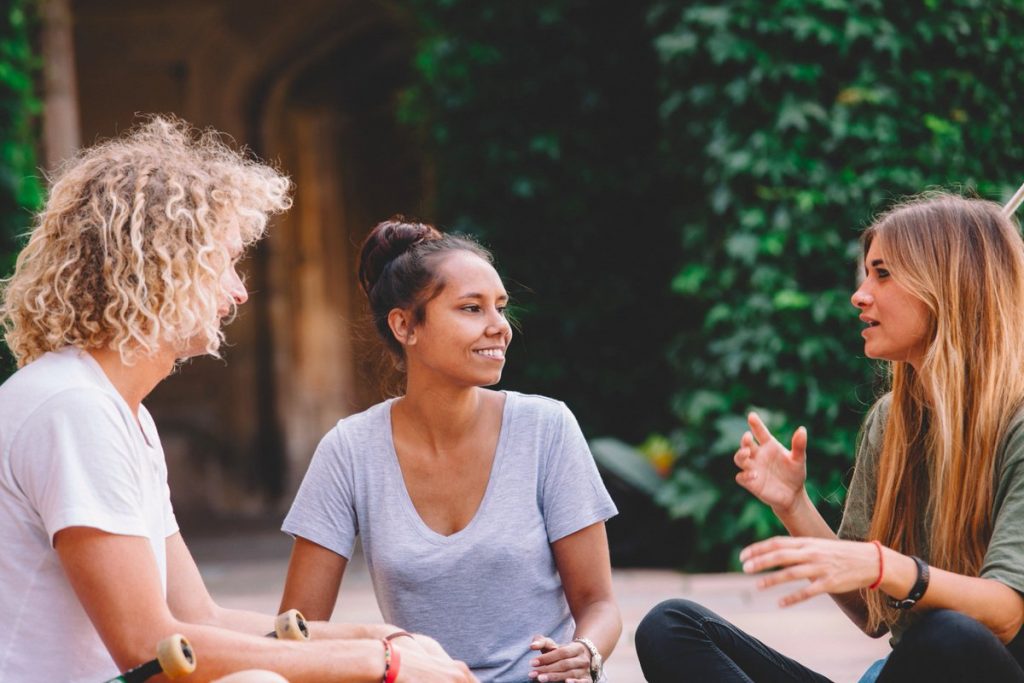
<point x="965" y="261"/>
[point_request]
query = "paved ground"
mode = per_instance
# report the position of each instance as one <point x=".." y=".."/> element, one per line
<point x="247" y="570"/>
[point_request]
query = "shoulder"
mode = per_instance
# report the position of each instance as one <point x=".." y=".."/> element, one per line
<point x="538" y="407"/>
<point x="370" y="419"/>
<point x="1012" y="450"/>
<point x="873" y="429"/>
<point x="363" y="428"/>
<point x="76" y="408"/>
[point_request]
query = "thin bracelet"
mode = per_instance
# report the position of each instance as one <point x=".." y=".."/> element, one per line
<point x="397" y="634"/>
<point x="881" y="567"/>
<point x="392" y="662"/>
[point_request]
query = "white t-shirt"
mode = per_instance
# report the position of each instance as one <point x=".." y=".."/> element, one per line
<point x="71" y="454"/>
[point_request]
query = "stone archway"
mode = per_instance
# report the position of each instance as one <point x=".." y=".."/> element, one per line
<point x="311" y="84"/>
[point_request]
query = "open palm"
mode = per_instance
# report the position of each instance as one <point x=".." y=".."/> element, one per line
<point x="768" y="470"/>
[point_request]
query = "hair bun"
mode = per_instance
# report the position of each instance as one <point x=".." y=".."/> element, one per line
<point x="387" y="241"/>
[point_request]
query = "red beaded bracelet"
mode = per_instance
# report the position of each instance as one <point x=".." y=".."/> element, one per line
<point x="881" y="567"/>
<point x="392" y="662"/>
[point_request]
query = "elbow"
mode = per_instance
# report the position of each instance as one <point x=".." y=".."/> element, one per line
<point x="876" y="632"/>
<point x="1009" y="628"/>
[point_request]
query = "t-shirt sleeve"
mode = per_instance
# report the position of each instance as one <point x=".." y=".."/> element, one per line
<point x="324" y="508"/>
<point x="860" y="498"/>
<point x="573" y="495"/>
<point x="1004" y="559"/>
<point x="74" y="462"/>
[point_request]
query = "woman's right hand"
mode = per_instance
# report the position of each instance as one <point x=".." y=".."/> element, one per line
<point x="773" y="474"/>
<point x="420" y="667"/>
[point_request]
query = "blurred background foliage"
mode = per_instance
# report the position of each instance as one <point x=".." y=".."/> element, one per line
<point x="541" y="118"/>
<point x="20" y="187"/>
<point x="674" y="191"/>
<point x="726" y="154"/>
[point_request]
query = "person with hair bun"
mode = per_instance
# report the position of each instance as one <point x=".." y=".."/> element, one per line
<point x="931" y="545"/>
<point x="481" y="512"/>
<point x="131" y="269"/>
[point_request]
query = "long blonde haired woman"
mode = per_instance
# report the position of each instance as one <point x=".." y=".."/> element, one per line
<point x="931" y="546"/>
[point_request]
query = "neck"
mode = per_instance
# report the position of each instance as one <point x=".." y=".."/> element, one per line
<point x="134" y="382"/>
<point x="440" y="413"/>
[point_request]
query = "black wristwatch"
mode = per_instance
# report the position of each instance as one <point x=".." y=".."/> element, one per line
<point x="917" y="590"/>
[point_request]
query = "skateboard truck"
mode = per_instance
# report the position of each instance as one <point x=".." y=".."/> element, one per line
<point x="290" y="625"/>
<point x="174" y="658"/>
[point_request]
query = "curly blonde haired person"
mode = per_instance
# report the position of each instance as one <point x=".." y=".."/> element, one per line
<point x="131" y="248"/>
<point x="131" y="268"/>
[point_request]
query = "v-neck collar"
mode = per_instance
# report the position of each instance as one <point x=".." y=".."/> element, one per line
<point x="406" y="499"/>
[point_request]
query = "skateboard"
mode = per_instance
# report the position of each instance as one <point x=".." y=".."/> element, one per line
<point x="174" y="658"/>
<point x="290" y="625"/>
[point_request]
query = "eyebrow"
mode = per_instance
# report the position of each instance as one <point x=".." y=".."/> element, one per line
<point x="877" y="262"/>
<point x="477" y="295"/>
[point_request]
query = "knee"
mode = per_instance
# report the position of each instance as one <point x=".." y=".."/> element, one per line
<point x="665" y="619"/>
<point x="943" y="633"/>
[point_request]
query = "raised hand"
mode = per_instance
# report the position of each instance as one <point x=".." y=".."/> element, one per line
<point x="773" y="474"/>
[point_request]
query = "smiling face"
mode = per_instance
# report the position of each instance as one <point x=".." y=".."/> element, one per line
<point x="897" y="322"/>
<point x="464" y="334"/>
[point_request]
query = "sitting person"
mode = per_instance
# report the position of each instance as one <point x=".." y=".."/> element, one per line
<point x="931" y="545"/>
<point x="481" y="512"/>
<point x="130" y="269"/>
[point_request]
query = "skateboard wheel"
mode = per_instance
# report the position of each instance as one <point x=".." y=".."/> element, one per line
<point x="291" y="625"/>
<point x="252" y="676"/>
<point x="175" y="656"/>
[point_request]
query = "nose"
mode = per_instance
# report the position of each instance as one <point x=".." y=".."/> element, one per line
<point x="236" y="289"/>
<point x="861" y="298"/>
<point x="498" y="325"/>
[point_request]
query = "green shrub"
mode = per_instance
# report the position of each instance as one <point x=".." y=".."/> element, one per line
<point x="20" y="189"/>
<point x="541" y="120"/>
<point x="788" y="125"/>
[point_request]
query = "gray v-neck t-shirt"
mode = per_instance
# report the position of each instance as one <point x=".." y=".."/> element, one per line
<point x="485" y="590"/>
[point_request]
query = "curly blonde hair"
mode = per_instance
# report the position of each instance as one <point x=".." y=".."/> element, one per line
<point x="130" y="249"/>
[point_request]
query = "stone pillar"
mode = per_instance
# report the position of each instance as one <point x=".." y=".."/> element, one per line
<point x="61" y="134"/>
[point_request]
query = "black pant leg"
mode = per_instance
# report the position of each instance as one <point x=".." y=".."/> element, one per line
<point x="945" y="646"/>
<point x="680" y="640"/>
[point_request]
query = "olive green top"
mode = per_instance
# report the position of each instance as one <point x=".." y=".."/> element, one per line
<point x="1004" y="559"/>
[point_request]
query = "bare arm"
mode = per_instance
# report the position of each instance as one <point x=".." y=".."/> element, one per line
<point x="314" y="579"/>
<point x="777" y="476"/>
<point x="994" y="604"/>
<point x="844" y="567"/>
<point x="118" y="584"/>
<point x="585" y="569"/>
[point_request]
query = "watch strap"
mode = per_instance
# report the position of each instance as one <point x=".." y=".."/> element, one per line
<point x="917" y="590"/>
<point x="595" y="656"/>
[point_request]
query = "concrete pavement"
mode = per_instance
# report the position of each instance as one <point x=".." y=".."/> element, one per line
<point x="247" y="570"/>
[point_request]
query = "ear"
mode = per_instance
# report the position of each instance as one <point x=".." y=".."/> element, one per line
<point x="401" y="326"/>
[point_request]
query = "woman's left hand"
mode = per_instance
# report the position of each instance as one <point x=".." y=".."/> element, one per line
<point x="569" y="662"/>
<point x="831" y="566"/>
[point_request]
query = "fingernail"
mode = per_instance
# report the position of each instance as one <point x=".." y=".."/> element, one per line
<point x="535" y="662"/>
<point x="744" y="555"/>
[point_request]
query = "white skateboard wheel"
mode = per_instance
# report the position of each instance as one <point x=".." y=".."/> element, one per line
<point x="175" y="656"/>
<point x="253" y="676"/>
<point x="291" y="625"/>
